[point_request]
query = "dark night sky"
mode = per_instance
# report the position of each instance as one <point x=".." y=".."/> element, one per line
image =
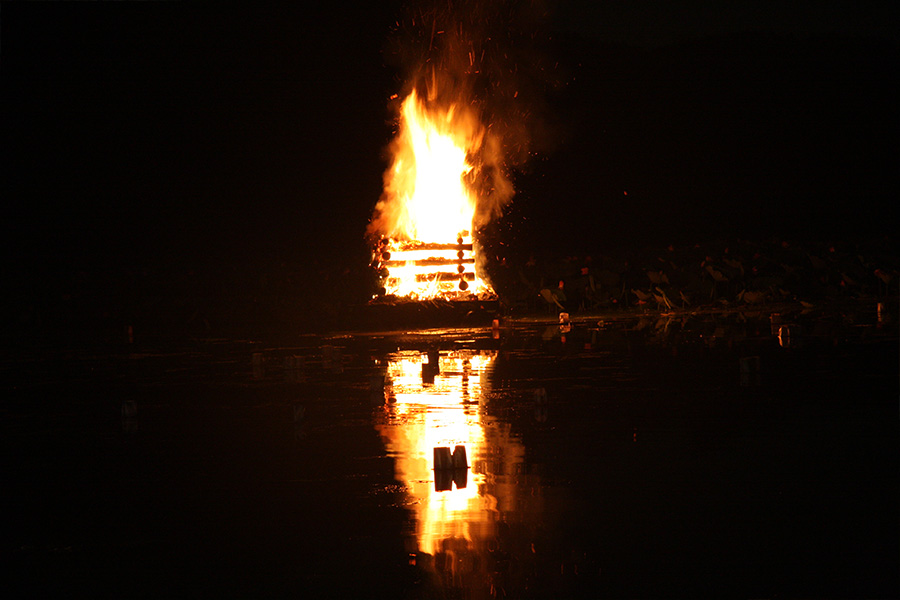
<point x="173" y="134"/>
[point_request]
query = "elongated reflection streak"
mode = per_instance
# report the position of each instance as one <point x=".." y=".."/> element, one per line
<point x="448" y="412"/>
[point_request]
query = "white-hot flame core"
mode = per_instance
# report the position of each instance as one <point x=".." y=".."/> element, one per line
<point x="430" y="164"/>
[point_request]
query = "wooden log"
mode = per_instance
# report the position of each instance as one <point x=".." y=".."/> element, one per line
<point x="459" y="457"/>
<point x="407" y="246"/>
<point x="430" y="262"/>
<point x="422" y="277"/>
<point x="443" y="459"/>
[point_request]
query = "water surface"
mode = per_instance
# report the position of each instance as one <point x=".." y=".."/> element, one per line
<point x="744" y="455"/>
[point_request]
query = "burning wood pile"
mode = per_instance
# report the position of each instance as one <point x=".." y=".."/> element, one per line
<point x="420" y="270"/>
<point x="424" y="245"/>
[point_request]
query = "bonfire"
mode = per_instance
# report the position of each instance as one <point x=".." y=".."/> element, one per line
<point x="424" y="230"/>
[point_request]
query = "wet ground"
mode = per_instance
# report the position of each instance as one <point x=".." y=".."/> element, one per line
<point x="741" y="454"/>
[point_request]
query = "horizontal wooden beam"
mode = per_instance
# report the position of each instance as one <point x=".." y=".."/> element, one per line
<point x="430" y="262"/>
<point x="409" y="246"/>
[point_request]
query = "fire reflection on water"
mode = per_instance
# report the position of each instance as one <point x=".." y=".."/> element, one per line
<point x="421" y="416"/>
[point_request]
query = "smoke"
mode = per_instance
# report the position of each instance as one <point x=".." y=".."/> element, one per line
<point x="494" y="57"/>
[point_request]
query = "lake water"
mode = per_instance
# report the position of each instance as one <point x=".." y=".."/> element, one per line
<point x="741" y="455"/>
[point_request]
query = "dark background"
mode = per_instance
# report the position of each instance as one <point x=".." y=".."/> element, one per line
<point x="163" y="150"/>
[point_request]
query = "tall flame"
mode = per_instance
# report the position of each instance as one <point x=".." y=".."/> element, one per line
<point x="426" y="215"/>
<point x="427" y="181"/>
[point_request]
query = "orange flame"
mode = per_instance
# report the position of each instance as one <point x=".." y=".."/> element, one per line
<point x="426" y="184"/>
